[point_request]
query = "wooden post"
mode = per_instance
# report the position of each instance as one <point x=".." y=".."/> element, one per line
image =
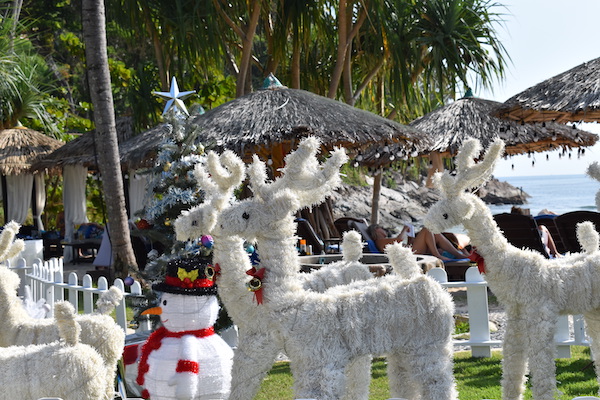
<point x="437" y="165"/>
<point x="376" y="193"/>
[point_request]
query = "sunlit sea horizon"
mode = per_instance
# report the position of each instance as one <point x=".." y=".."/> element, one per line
<point x="557" y="193"/>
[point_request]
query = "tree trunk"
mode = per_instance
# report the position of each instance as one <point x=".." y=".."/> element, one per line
<point x="94" y="34"/>
<point x="336" y="74"/>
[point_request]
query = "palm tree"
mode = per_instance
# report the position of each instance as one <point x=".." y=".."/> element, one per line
<point x="94" y="32"/>
<point x="25" y="82"/>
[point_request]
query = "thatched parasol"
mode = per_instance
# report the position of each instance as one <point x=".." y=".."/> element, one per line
<point x="472" y="117"/>
<point x="573" y="95"/>
<point x="20" y="147"/>
<point x="136" y="152"/>
<point x="270" y="122"/>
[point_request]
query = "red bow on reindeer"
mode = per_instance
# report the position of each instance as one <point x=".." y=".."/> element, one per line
<point x="255" y="284"/>
<point x="475" y="257"/>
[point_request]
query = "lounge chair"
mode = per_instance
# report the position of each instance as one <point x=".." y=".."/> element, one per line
<point x="521" y="231"/>
<point x="361" y="226"/>
<point x="549" y="221"/>
<point x="567" y="226"/>
<point x="306" y="231"/>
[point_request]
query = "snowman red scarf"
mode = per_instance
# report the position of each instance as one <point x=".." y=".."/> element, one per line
<point x="154" y="343"/>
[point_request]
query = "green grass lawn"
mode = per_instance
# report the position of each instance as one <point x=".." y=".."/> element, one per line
<point x="477" y="378"/>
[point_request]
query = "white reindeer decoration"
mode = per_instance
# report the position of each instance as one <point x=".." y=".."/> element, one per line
<point x="259" y="344"/>
<point x="593" y="172"/>
<point x="533" y="289"/>
<point x="408" y="320"/>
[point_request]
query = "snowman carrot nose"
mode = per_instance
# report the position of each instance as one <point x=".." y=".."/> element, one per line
<point x="153" y="310"/>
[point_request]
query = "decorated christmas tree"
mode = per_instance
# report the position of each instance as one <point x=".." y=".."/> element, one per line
<point x="172" y="187"/>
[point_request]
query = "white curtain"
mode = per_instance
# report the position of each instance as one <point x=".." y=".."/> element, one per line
<point x="74" y="177"/>
<point x="18" y="190"/>
<point x="40" y="199"/>
<point x="138" y="186"/>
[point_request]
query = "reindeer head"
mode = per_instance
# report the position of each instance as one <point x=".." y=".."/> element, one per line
<point x="456" y="204"/>
<point x="303" y="182"/>
<point x="218" y="177"/>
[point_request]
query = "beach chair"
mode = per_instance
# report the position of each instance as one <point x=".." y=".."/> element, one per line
<point x="362" y="227"/>
<point x="549" y="221"/>
<point x="567" y="226"/>
<point x="521" y="231"/>
<point x="343" y="224"/>
<point x="305" y="231"/>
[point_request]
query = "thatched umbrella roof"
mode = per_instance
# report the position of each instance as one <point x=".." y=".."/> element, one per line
<point x="20" y="147"/>
<point x="140" y="151"/>
<point x="472" y="117"/>
<point x="136" y="152"/>
<point x="573" y="95"/>
<point x="279" y="117"/>
<point x="79" y="151"/>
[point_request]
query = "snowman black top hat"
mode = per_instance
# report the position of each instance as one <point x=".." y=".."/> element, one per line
<point x="194" y="276"/>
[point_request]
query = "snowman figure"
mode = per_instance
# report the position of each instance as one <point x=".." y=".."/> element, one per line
<point x="185" y="359"/>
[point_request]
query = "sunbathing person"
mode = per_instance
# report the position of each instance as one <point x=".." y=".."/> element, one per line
<point x="424" y="242"/>
<point x="545" y="234"/>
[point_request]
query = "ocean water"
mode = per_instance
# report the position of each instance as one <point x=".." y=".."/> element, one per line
<point x="559" y="193"/>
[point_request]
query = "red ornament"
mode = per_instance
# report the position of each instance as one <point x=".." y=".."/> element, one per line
<point x="143" y="224"/>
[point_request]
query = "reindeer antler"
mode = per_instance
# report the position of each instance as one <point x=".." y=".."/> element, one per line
<point x="303" y="175"/>
<point x="220" y="177"/>
<point x="470" y="174"/>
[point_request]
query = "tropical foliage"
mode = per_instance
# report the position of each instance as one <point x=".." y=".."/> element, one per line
<point x="393" y="57"/>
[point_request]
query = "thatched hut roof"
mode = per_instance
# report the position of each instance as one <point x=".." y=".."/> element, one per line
<point x="79" y="151"/>
<point x="258" y="121"/>
<point x="20" y="147"/>
<point x="140" y="151"/>
<point x="573" y="95"/>
<point x="136" y="152"/>
<point x="472" y="117"/>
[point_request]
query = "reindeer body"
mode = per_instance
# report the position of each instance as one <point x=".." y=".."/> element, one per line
<point x="408" y="320"/>
<point x="324" y="333"/>
<point x="259" y="341"/>
<point x="534" y="290"/>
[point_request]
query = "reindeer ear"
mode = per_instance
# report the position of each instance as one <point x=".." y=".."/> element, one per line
<point x="284" y="204"/>
<point x="593" y="170"/>
<point x="463" y="208"/>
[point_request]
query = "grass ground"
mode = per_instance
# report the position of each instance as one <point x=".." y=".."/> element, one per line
<point x="477" y="378"/>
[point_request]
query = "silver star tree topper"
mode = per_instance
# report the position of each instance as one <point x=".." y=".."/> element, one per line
<point x="174" y="97"/>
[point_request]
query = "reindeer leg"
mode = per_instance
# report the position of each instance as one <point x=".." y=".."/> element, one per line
<point x="401" y="379"/>
<point x="541" y="325"/>
<point x="316" y="378"/>
<point x="514" y="363"/>
<point x="358" y="378"/>
<point x="592" y="321"/>
<point x="433" y="371"/>
<point x="253" y="358"/>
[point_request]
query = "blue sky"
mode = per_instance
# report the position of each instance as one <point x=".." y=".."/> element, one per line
<point x="543" y="39"/>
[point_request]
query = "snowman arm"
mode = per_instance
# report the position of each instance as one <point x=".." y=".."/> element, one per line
<point x="188" y="368"/>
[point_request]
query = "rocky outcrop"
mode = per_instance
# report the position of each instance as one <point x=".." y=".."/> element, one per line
<point x="408" y="202"/>
<point x="498" y="192"/>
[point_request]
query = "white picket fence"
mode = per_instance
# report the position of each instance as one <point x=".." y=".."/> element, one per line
<point x="46" y="281"/>
<point x="570" y="329"/>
